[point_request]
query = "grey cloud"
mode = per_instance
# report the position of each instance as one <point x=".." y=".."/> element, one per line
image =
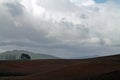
<point x="22" y="36"/>
<point x="76" y="33"/>
<point x="15" y="9"/>
<point x="26" y="36"/>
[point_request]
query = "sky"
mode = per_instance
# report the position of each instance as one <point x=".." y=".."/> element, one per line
<point x="64" y="28"/>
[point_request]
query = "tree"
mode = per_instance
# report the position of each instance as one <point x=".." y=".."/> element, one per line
<point x="25" y="57"/>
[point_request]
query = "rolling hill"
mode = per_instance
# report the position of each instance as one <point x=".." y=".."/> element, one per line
<point x="102" y="68"/>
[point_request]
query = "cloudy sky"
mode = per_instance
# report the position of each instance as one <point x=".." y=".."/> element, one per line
<point x="65" y="28"/>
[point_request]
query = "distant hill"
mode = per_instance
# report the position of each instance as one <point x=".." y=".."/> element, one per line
<point x="17" y="53"/>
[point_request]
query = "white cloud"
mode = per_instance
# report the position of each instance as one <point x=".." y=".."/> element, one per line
<point x="83" y="2"/>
